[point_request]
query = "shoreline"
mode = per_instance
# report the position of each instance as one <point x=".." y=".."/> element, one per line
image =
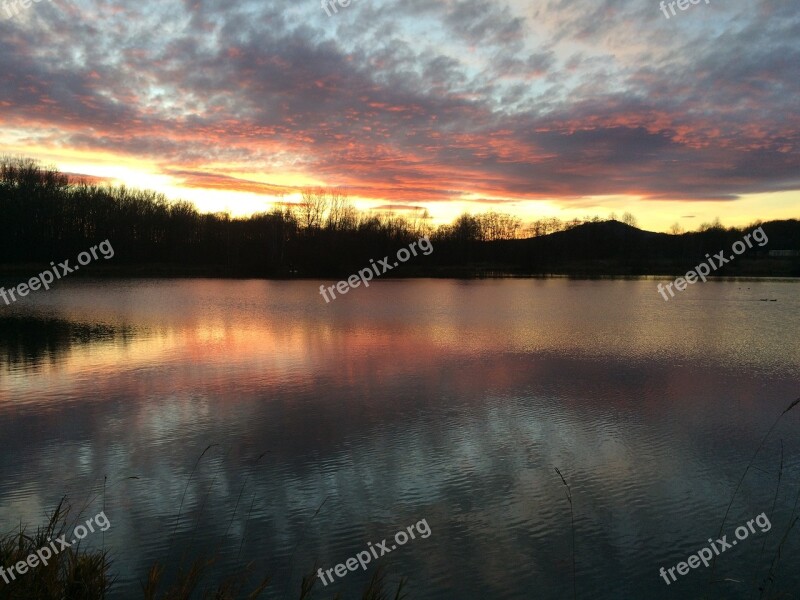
<point x="21" y="273"/>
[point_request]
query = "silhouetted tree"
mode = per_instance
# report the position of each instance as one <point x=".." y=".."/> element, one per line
<point x="629" y="219"/>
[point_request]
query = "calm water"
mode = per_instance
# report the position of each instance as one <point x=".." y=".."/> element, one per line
<point x="449" y="401"/>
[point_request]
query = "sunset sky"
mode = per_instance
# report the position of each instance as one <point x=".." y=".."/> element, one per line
<point x="547" y="108"/>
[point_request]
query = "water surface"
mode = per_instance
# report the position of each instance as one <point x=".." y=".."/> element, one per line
<point x="449" y="401"/>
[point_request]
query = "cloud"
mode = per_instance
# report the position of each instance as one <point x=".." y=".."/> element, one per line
<point x="199" y="179"/>
<point x="88" y="179"/>
<point x="399" y="207"/>
<point x="423" y="100"/>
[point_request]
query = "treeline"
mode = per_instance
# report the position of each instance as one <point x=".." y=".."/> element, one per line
<point x="45" y="217"/>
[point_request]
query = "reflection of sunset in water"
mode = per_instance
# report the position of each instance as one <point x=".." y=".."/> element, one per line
<point x="445" y="400"/>
<point x="177" y="326"/>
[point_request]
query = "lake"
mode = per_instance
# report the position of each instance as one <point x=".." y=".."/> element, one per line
<point x="333" y="426"/>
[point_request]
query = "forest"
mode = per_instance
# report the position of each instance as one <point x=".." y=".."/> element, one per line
<point x="48" y="216"/>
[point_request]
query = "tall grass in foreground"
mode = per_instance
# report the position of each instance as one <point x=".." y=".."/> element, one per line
<point x="73" y="573"/>
<point x="81" y="574"/>
<point x="78" y="574"/>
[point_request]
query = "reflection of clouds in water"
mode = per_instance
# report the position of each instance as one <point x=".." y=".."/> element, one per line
<point x="85" y="456"/>
<point x="417" y="400"/>
<point x="159" y="418"/>
<point x="481" y="473"/>
<point x="21" y="504"/>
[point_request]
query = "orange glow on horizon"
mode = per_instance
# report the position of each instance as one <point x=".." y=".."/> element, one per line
<point x="229" y="195"/>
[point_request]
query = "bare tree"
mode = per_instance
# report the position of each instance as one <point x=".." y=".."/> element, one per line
<point x="467" y="228"/>
<point x="498" y="226"/>
<point x="546" y="226"/>
<point x="420" y="223"/>
<point x="629" y="219"/>
<point x="313" y="207"/>
<point x="338" y="204"/>
<point x="715" y="224"/>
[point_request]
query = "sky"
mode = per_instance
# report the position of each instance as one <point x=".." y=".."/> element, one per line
<point x="538" y="108"/>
